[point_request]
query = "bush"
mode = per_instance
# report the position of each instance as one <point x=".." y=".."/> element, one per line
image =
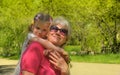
<point x="72" y="50"/>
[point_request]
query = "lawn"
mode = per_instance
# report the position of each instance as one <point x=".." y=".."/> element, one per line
<point x="101" y="58"/>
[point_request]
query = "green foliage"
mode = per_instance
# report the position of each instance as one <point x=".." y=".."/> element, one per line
<point x="72" y="48"/>
<point x="94" y="23"/>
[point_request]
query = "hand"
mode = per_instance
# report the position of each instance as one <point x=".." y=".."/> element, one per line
<point x="27" y="73"/>
<point x="59" y="63"/>
<point x="64" y="54"/>
<point x="47" y="51"/>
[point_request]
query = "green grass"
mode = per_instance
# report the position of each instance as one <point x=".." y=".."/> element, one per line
<point x="108" y="58"/>
<point x="14" y="57"/>
<point x="11" y="57"/>
<point x="100" y="58"/>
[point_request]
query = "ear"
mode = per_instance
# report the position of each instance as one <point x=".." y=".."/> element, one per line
<point x="32" y="26"/>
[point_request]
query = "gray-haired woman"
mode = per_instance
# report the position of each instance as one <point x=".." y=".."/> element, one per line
<point x="34" y="62"/>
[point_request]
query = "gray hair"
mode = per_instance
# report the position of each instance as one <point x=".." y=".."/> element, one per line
<point x="62" y="21"/>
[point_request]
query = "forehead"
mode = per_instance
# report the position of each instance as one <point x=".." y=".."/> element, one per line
<point x="42" y="24"/>
<point x="61" y="26"/>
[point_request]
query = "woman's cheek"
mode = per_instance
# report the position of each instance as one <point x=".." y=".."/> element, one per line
<point x="63" y="40"/>
<point x="52" y="39"/>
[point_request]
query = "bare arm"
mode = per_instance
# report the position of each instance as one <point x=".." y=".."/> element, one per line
<point x="49" y="45"/>
<point x="45" y="43"/>
<point x="27" y="73"/>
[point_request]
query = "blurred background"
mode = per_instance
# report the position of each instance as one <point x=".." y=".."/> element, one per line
<point x="95" y="26"/>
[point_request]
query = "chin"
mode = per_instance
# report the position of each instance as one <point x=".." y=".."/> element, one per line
<point x="55" y="42"/>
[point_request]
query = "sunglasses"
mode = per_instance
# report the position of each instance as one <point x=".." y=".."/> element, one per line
<point x="62" y="31"/>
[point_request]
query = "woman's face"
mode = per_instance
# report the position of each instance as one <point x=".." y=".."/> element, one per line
<point x="57" y="35"/>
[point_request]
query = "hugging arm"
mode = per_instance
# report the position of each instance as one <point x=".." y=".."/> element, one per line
<point x="59" y="63"/>
<point x="50" y="47"/>
<point x="27" y="73"/>
<point x="45" y="43"/>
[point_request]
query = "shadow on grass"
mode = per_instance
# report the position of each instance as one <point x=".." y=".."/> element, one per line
<point x="7" y="69"/>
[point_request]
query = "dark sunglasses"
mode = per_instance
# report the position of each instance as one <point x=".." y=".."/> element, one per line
<point x="62" y="31"/>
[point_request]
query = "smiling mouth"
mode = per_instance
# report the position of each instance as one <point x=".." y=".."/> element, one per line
<point x="56" y="37"/>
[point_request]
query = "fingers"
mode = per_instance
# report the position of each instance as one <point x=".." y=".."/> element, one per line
<point x="65" y="55"/>
<point x="57" y="54"/>
<point x="58" y="61"/>
<point x="47" y="51"/>
<point x="54" y="56"/>
<point x="54" y="63"/>
<point x="54" y="59"/>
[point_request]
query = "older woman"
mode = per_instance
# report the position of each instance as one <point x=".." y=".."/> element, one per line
<point x="34" y="62"/>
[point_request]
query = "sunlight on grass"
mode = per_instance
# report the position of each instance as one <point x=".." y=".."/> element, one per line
<point x="108" y="58"/>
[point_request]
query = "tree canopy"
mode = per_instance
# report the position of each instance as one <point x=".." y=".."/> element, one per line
<point x="95" y="24"/>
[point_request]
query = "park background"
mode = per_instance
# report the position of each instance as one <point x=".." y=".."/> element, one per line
<point x="95" y="25"/>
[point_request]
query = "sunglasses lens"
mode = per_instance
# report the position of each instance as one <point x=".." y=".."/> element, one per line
<point x="62" y="31"/>
<point x="54" y="28"/>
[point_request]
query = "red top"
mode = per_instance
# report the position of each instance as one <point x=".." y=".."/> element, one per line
<point x="33" y="60"/>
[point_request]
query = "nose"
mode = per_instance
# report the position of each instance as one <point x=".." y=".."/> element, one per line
<point x="39" y="31"/>
<point x="58" y="32"/>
